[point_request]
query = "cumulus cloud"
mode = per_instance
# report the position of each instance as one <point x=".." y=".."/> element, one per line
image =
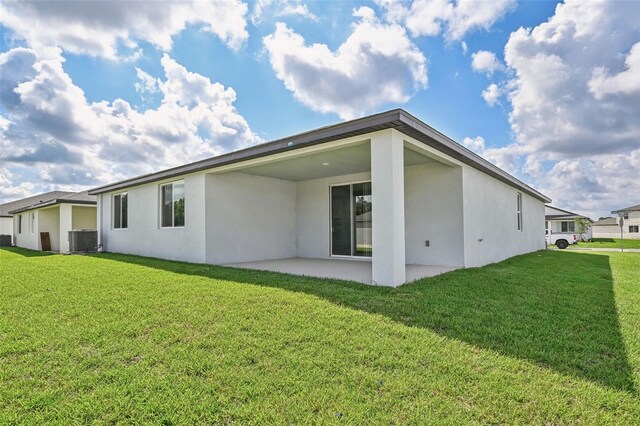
<point x="376" y="65"/>
<point x="625" y="82"/>
<point x="575" y="103"/>
<point x="76" y="143"/>
<point x="485" y="62"/>
<point x="491" y="94"/>
<point x="474" y="144"/>
<point x="109" y="28"/>
<point x="281" y="8"/>
<point x="454" y="18"/>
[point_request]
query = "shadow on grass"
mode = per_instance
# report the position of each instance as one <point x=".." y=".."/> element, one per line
<point x="26" y="252"/>
<point x="555" y="309"/>
<point x="603" y="240"/>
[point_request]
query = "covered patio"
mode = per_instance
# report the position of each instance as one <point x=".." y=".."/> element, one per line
<point x="343" y="269"/>
<point x="383" y="209"/>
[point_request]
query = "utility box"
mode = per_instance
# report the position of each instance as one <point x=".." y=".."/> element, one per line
<point x="83" y="241"/>
<point x="5" y="240"/>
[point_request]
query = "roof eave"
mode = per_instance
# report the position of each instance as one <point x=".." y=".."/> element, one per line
<point x="396" y="118"/>
<point x="52" y="203"/>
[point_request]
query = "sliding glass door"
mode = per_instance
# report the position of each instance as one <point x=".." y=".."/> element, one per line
<point x="351" y="220"/>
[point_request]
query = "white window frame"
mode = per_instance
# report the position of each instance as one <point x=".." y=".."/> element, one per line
<point x="634" y="229"/>
<point x="519" y="210"/>
<point x="32" y="222"/>
<point x="161" y="205"/>
<point x="113" y="210"/>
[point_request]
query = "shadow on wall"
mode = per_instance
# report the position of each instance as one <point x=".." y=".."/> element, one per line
<point x="555" y="309"/>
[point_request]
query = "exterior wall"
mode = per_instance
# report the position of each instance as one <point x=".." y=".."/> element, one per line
<point x="249" y="218"/>
<point x="613" y="231"/>
<point x="83" y="217"/>
<point x="433" y="212"/>
<point x="26" y="239"/>
<point x="144" y="236"/>
<point x="313" y="214"/>
<point x="555" y="226"/>
<point x="6" y="227"/>
<point x="490" y="220"/>
<point x="49" y="221"/>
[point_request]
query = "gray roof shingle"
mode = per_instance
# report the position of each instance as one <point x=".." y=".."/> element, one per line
<point x="29" y="201"/>
<point x="66" y="197"/>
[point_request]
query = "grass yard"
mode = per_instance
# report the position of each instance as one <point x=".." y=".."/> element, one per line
<point x="610" y="243"/>
<point x="545" y="338"/>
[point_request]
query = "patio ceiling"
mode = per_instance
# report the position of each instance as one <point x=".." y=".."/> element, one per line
<point x="355" y="158"/>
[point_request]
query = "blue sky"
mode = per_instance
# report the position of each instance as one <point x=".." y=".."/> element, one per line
<point x="96" y="94"/>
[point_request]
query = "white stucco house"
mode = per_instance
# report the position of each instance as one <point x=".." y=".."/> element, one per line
<point x="55" y="217"/>
<point x="6" y="218"/>
<point x="610" y="227"/>
<point x="382" y="199"/>
<point x="559" y="221"/>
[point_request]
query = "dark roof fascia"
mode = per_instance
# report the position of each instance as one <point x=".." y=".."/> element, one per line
<point x="429" y="136"/>
<point x="314" y="137"/>
<point x="394" y="119"/>
<point x="560" y="217"/>
<point x="6" y="215"/>
<point x="627" y="209"/>
<point x="53" y="203"/>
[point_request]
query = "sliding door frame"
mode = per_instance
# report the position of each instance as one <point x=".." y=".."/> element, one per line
<point x="351" y="220"/>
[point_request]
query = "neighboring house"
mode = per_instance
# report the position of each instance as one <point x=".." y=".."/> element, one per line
<point x="383" y="192"/>
<point x="559" y="221"/>
<point x="57" y="217"/>
<point x="610" y="227"/>
<point x="6" y="219"/>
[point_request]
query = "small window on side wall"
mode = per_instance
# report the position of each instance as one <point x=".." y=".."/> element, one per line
<point x="120" y="211"/>
<point x="19" y="224"/>
<point x="172" y="205"/>
<point x="519" y="210"/>
<point x="633" y="229"/>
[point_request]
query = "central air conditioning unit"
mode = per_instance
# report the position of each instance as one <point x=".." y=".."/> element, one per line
<point x="83" y="241"/>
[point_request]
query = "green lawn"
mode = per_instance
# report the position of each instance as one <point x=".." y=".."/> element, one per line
<point x="610" y="243"/>
<point x="546" y="338"/>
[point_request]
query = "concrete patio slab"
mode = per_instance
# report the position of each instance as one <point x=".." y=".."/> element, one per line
<point x="343" y="269"/>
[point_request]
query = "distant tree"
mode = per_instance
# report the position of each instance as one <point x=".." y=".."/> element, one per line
<point x="582" y="227"/>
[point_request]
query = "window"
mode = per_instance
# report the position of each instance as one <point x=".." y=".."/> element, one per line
<point x="120" y="211"/>
<point x="519" y="210"/>
<point x="625" y="215"/>
<point x="351" y="220"/>
<point x="20" y="224"/>
<point x="32" y="222"/>
<point x="568" y="226"/>
<point x="633" y="229"/>
<point x="172" y="207"/>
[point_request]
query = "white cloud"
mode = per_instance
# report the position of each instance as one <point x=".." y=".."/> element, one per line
<point x="474" y="144"/>
<point x="9" y="191"/>
<point x="464" y="46"/>
<point x="376" y="65"/>
<point x="491" y="94"/>
<point x="109" y="28"/>
<point x="77" y="144"/>
<point x="455" y="18"/>
<point x="485" y="62"/>
<point x="146" y="83"/>
<point x="625" y="82"/>
<point x="575" y="104"/>
<point x="275" y="9"/>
